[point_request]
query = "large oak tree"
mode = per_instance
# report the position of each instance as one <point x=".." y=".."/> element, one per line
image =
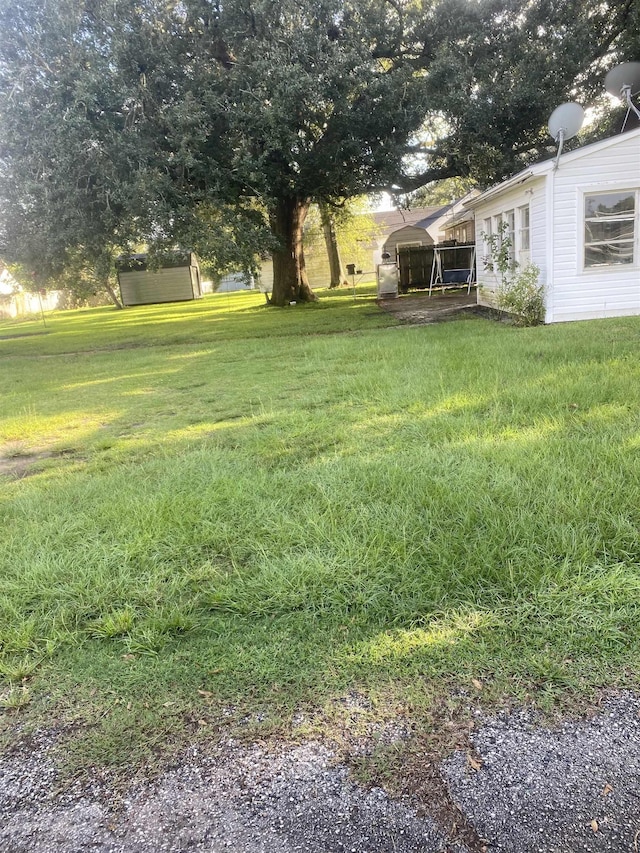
<point x="216" y="123"/>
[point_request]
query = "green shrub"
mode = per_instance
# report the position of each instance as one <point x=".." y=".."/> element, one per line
<point x="519" y="291"/>
<point x="522" y="295"/>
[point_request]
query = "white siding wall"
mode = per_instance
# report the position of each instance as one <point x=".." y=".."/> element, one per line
<point x="539" y="230"/>
<point x="532" y="193"/>
<point x="580" y="293"/>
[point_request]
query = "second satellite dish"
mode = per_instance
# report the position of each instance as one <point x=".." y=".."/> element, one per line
<point x="623" y="81"/>
<point x="623" y="78"/>
<point x="565" y="121"/>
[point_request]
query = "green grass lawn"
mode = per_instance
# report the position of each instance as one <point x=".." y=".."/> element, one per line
<point x="214" y="509"/>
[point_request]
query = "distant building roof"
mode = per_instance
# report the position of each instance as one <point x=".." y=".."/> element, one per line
<point x="393" y="219"/>
<point x="436" y="214"/>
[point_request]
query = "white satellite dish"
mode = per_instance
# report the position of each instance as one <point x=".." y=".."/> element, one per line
<point x="623" y="81"/>
<point x="565" y="121"/>
<point x="625" y="76"/>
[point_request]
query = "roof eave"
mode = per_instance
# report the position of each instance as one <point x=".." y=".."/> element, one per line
<point x="510" y="183"/>
<point x="543" y="168"/>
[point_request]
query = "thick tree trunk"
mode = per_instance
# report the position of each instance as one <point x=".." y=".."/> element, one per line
<point x="290" y="281"/>
<point x="336" y="268"/>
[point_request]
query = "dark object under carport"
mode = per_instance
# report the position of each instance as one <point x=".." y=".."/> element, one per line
<point x="145" y="280"/>
<point x="441" y="265"/>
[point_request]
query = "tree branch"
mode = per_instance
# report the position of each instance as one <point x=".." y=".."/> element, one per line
<point x="410" y="183"/>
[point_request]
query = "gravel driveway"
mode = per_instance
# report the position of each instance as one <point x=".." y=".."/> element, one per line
<point x="528" y="788"/>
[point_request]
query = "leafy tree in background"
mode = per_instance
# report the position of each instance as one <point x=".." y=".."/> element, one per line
<point x="353" y="231"/>
<point x="124" y="121"/>
<point x="64" y="188"/>
<point x="80" y="279"/>
<point x="319" y="112"/>
<point x="97" y="138"/>
<point x="337" y="271"/>
<point x="216" y="125"/>
<point x="357" y="231"/>
<point x="441" y="192"/>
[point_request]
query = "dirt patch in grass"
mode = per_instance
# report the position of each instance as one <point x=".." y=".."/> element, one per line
<point x="17" y="462"/>
<point x="417" y="776"/>
<point x="411" y="769"/>
<point x="15" y="467"/>
<point x="420" y="308"/>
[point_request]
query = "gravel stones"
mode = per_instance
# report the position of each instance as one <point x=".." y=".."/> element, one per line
<point x="538" y="790"/>
<point x="524" y="787"/>
<point x="247" y="801"/>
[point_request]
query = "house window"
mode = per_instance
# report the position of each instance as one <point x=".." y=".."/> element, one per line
<point x="524" y="229"/>
<point x="487" y="231"/>
<point x="610" y="228"/>
<point x="510" y="232"/>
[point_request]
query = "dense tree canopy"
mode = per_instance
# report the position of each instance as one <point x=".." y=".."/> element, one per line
<point x="216" y="124"/>
<point x="496" y="70"/>
<point x="96" y="139"/>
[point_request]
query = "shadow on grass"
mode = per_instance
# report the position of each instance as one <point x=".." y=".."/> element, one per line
<point x="227" y="317"/>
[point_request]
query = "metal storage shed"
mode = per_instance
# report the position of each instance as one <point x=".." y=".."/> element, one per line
<point x="171" y="278"/>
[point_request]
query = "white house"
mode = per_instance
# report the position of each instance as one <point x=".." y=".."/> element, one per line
<point x="580" y="224"/>
<point x="233" y="281"/>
